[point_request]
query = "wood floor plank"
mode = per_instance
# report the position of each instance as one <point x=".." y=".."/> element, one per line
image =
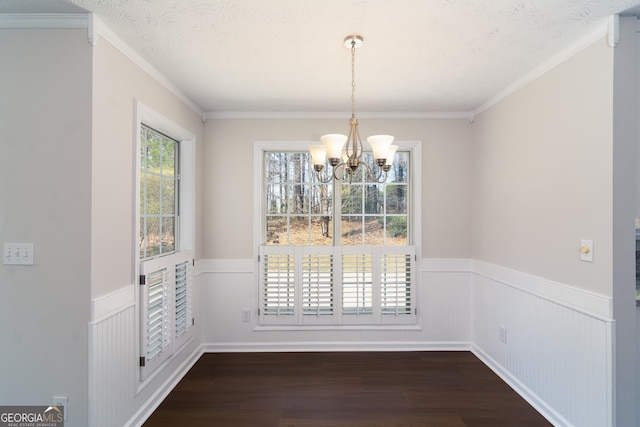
<point x="354" y="389"/>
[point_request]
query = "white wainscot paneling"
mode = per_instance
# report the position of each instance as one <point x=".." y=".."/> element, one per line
<point x="558" y="357"/>
<point x="445" y="298"/>
<point x="230" y="286"/>
<point x="113" y="369"/>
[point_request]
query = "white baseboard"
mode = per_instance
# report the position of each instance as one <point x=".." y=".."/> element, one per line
<point x="540" y="405"/>
<point x="239" y="347"/>
<point x="163" y="391"/>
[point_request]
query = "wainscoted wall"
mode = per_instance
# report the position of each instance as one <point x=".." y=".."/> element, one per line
<point x="557" y="352"/>
<point x="557" y="349"/>
<point x="228" y="287"/>
<point x="115" y="397"/>
<point x="111" y="352"/>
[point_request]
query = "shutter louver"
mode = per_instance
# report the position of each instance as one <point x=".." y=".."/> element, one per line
<point x="395" y="283"/>
<point x="317" y="284"/>
<point x="156" y="321"/>
<point x="278" y="284"/>
<point x="357" y="283"/>
<point x="182" y="299"/>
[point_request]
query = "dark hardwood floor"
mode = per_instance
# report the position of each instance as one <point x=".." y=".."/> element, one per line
<point x="439" y="389"/>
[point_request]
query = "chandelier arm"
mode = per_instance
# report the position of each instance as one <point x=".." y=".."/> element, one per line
<point x="382" y="177"/>
<point x="324" y="178"/>
<point x="335" y="171"/>
<point x="376" y="177"/>
<point x="360" y="149"/>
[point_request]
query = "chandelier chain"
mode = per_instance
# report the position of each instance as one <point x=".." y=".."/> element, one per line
<point x="353" y="77"/>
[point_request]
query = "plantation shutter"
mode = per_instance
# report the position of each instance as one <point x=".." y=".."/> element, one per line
<point x="349" y="285"/>
<point x="278" y="288"/>
<point x="183" y="304"/>
<point x="165" y="308"/>
<point x="157" y="319"/>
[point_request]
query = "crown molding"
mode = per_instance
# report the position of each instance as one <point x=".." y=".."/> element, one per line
<point x="587" y="40"/>
<point x="95" y="27"/>
<point x="468" y="115"/>
<point x="43" y="20"/>
<point x="110" y="36"/>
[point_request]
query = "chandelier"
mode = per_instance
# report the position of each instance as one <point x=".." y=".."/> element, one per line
<point x="345" y="152"/>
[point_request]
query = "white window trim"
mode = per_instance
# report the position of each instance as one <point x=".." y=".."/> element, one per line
<point x="415" y="217"/>
<point x="143" y="114"/>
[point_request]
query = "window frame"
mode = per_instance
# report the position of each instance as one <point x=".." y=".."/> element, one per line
<point x="414" y="214"/>
<point x="414" y="210"/>
<point x="162" y="179"/>
<point x="185" y="242"/>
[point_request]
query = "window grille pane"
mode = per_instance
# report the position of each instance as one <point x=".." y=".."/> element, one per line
<point x="152" y="236"/>
<point x="276" y="199"/>
<point x="300" y="230"/>
<point x="352" y="230"/>
<point x="357" y="272"/>
<point x="399" y="171"/>
<point x="374" y="199"/>
<point x="321" y="231"/>
<point x="277" y="230"/>
<point x="321" y="199"/>
<point x="352" y="199"/>
<point x="396" y="199"/>
<point x="299" y="199"/>
<point x="395" y="284"/>
<point x="152" y="152"/>
<point x="168" y="235"/>
<point x="317" y="284"/>
<point x="168" y="197"/>
<point x="397" y="232"/>
<point x="152" y="196"/>
<point x="374" y="230"/>
<point x="278" y="284"/>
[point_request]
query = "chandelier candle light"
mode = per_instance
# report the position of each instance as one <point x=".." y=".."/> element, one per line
<point x="345" y="161"/>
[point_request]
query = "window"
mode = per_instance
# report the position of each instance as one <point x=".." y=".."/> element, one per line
<point x="159" y="177"/>
<point x="164" y="243"/>
<point x="340" y="253"/>
<point x="300" y="210"/>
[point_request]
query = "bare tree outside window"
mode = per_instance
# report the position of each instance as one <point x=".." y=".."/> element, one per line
<point x="300" y="210"/>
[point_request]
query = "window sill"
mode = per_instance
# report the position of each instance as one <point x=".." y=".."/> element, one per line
<point x="269" y="328"/>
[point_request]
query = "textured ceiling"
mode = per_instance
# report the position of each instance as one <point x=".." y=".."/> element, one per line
<point x="286" y="56"/>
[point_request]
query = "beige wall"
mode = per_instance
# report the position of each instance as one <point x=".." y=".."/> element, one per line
<point x="542" y="178"/>
<point x="228" y="176"/>
<point x="45" y="190"/>
<point x="117" y="83"/>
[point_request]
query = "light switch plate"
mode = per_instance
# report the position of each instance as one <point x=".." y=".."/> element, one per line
<point x="18" y="254"/>
<point x="586" y="250"/>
